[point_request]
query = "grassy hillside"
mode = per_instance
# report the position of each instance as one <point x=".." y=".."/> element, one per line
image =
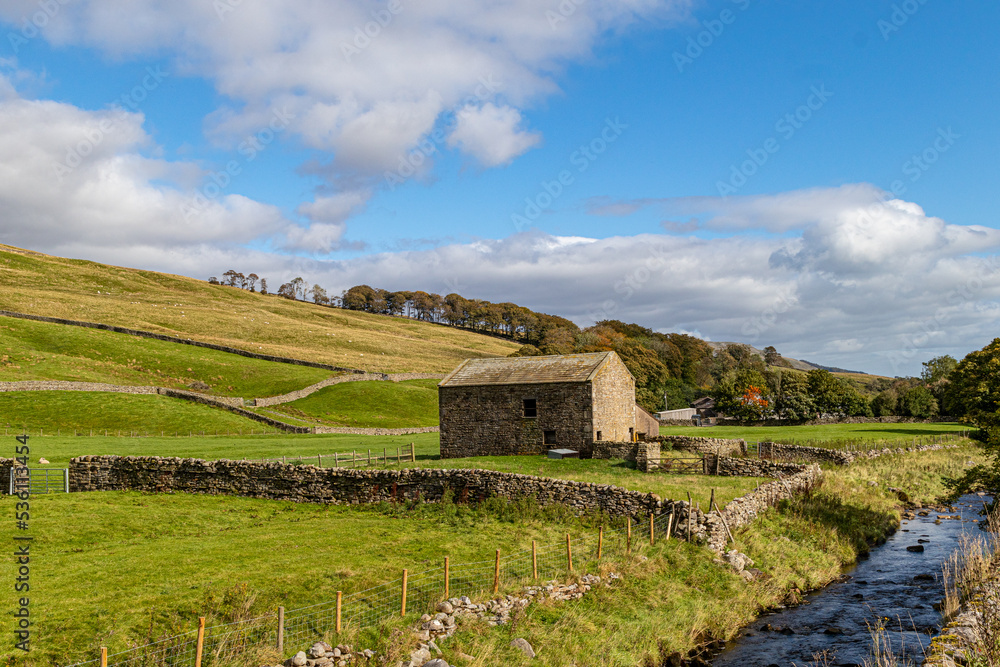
<point x="75" y="289"/>
<point x="369" y="405"/>
<point x="41" y="351"/>
<point x="71" y="411"/>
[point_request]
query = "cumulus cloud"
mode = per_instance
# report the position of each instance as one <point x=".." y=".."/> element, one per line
<point x="89" y="183"/>
<point x="366" y="82"/>
<point x="492" y="134"/>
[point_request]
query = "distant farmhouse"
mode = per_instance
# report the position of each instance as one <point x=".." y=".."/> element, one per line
<point x="528" y="405"/>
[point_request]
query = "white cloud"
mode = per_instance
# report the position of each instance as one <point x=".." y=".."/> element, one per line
<point x="364" y="81"/>
<point x="89" y="183"/>
<point x="491" y="134"/>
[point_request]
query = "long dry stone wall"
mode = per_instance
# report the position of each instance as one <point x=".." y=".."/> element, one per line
<point x="278" y="481"/>
<point x="719" y="446"/>
<point x="59" y="385"/>
<point x="779" y="451"/>
<point x="375" y="431"/>
<point x="322" y="384"/>
<point x="173" y="339"/>
<point x="743" y="510"/>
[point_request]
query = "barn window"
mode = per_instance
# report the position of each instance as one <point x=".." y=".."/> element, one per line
<point x="530" y="408"/>
<point x="599" y="438"/>
<point x="548" y="437"/>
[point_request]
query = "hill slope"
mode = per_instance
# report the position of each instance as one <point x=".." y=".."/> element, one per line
<point x="41" y="284"/>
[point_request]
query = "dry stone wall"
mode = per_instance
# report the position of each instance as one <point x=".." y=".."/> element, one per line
<point x="58" y="385"/>
<point x="375" y="431"/>
<point x="322" y="384"/>
<point x="720" y="446"/>
<point x="278" y="481"/>
<point x="777" y="450"/>
<point x="743" y="510"/>
<point x="604" y="449"/>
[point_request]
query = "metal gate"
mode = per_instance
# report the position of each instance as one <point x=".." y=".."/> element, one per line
<point x="44" y="480"/>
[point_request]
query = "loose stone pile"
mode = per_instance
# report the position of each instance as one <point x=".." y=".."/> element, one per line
<point x="444" y="623"/>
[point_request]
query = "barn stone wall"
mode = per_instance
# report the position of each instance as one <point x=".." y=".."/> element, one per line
<point x="488" y="420"/>
<point x="614" y="411"/>
<point x="646" y="425"/>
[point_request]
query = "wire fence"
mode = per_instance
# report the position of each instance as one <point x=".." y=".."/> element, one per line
<point x="352" y="459"/>
<point x="411" y="594"/>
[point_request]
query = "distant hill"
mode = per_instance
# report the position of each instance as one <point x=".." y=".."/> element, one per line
<point x="834" y="369"/>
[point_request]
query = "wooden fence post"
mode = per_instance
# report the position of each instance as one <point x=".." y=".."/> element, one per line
<point x="281" y="630"/>
<point x="670" y="521"/>
<point x="628" y="537"/>
<point x="534" y="560"/>
<point x="104" y="656"/>
<point x="447" y="578"/>
<point x="652" y="530"/>
<point x="569" y="553"/>
<point x="336" y="460"/>
<point x="319" y="457"/>
<point x="402" y="611"/>
<point x="496" y="573"/>
<point x="600" y="541"/>
<point x="340" y="598"/>
<point x="413" y="453"/>
<point x="201" y="641"/>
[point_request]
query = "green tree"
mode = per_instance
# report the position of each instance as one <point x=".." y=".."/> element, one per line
<point x="976" y="384"/>
<point x="825" y="390"/>
<point x="884" y="404"/>
<point x="938" y="368"/>
<point x="793" y="400"/>
<point x="918" y="402"/>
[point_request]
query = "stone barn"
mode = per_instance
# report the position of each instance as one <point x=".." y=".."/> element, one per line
<point x="528" y="405"/>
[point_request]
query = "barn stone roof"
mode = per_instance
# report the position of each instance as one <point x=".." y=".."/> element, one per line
<point x="527" y="370"/>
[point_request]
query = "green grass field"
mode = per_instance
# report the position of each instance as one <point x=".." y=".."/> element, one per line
<point x="40" y="284"/>
<point x="65" y="412"/>
<point x="229" y="558"/>
<point x="369" y="405"/>
<point x="40" y="351"/>
<point x="825" y="435"/>
<point x="95" y="580"/>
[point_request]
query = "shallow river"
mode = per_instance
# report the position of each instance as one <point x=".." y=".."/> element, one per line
<point x="892" y="583"/>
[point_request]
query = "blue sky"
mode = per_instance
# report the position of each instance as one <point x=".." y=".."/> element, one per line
<point x="816" y="176"/>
